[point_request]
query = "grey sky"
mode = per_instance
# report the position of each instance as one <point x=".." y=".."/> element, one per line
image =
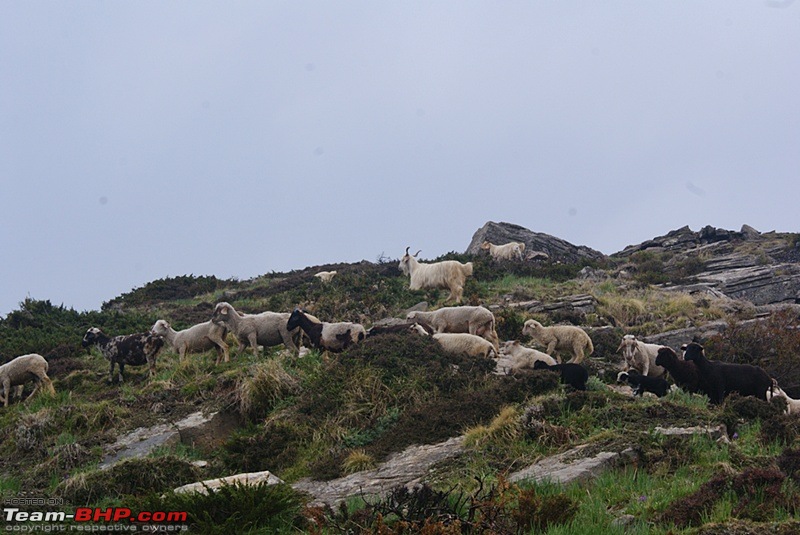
<point x="140" y="140"/>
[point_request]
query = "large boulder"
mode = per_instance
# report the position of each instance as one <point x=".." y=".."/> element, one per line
<point x="556" y="248"/>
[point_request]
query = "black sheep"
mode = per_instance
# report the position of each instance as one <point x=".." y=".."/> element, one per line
<point x="643" y="383"/>
<point x="718" y="379"/>
<point x="683" y="372"/>
<point x="574" y="375"/>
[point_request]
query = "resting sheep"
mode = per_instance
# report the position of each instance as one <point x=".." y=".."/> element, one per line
<point x="525" y="357"/>
<point x="404" y="327"/>
<point x="792" y="405"/>
<point x="22" y="369"/>
<point x="718" y="379"/>
<point x="333" y="337"/>
<point x="448" y="274"/>
<point x="683" y="372"/>
<point x="198" y="338"/>
<point x="464" y="343"/>
<point x="565" y="337"/>
<point x="508" y="251"/>
<point x="462" y="319"/>
<point x="574" y="375"/>
<point x="131" y="349"/>
<point x="325" y="276"/>
<point x="640" y="356"/>
<point x="643" y="383"/>
<point x="267" y="329"/>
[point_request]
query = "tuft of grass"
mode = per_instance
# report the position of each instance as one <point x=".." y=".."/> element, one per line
<point x="505" y="427"/>
<point x="357" y="461"/>
<point x="263" y="385"/>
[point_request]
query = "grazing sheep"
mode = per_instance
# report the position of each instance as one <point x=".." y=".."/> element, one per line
<point x="525" y="357"/>
<point x="333" y="337"/>
<point x="565" y="337"/>
<point x="462" y="319"/>
<point x="792" y="405"/>
<point x="128" y="349"/>
<point x="683" y="372"/>
<point x="22" y="369"/>
<point x="509" y="251"/>
<point x="574" y="375"/>
<point x="640" y="356"/>
<point x="643" y="383"/>
<point x="404" y="327"/>
<point x="325" y="276"/>
<point x="267" y="329"/>
<point x="448" y="274"/>
<point x="718" y="379"/>
<point x="198" y="338"/>
<point x="464" y="343"/>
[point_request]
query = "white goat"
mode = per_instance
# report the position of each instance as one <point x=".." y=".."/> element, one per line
<point x="524" y="357"/>
<point x="792" y="405"/>
<point x="566" y="337"/>
<point x="22" y="369"/>
<point x="508" y="251"/>
<point x="641" y="356"/>
<point x="325" y="276"/>
<point x="462" y="319"/>
<point x="198" y="338"/>
<point x="267" y="329"/>
<point x="463" y="343"/>
<point x="448" y="274"/>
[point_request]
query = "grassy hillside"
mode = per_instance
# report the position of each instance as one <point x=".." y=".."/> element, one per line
<point x="323" y="417"/>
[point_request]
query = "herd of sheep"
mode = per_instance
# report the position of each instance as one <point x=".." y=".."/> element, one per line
<point x="457" y="329"/>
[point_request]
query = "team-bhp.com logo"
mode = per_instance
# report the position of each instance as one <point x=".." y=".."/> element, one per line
<point x="95" y="519"/>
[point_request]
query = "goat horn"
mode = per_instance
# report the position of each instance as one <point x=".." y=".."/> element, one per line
<point x="407" y="248"/>
<point x="417" y="253"/>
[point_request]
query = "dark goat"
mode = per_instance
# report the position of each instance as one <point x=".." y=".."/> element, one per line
<point x="718" y="379"/>
<point x="643" y="383"/>
<point x="132" y="349"/>
<point x="574" y="375"/>
<point x="683" y="372"/>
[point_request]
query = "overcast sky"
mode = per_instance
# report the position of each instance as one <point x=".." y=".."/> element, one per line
<point x="141" y="140"/>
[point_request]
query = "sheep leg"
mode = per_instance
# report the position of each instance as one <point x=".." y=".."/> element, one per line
<point x="121" y="371"/>
<point x="6" y="391"/>
<point x="646" y="366"/>
<point x="289" y="342"/>
<point x="551" y="347"/>
<point x="222" y="348"/>
<point x="111" y="371"/>
<point x="253" y="339"/>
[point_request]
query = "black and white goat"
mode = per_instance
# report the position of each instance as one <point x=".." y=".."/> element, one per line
<point x="642" y="383"/>
<point x="334" y="337"/>
<point x="131" y="349"/>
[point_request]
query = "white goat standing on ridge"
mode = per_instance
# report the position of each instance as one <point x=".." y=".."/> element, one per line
<point x="447" y="274"/>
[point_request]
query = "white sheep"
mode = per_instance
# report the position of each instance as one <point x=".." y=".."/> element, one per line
<point x="641" y="356"/>
<point x="524" y="357"/>
<point x="448" y="274"/>
<point x="325" y="276"/>
<point x="22" y="369"/>
<point x="792" y="405"/>
<point x="508" y="251"/>
<point x="461" y="319"/>
<point x="464" y="343"/>
<point x="267" y="329"/>
<point x="198" y="338"/>
<point x="564" y="337"/>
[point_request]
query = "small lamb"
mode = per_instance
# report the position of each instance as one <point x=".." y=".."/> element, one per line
<point x="464" y="343"/>
<point x="17" y="372"/>
<point x="643" y="383"/>
<point x="565" y="337"/>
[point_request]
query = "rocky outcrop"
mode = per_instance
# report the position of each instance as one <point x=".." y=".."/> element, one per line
<point x="557" y="249"/>
<point x="685" y="238"/>
<point x="572" y="466"/>
<point x="249" y="479"/>
<point x="405" y="468"/>
<point x="194" y="430"/>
